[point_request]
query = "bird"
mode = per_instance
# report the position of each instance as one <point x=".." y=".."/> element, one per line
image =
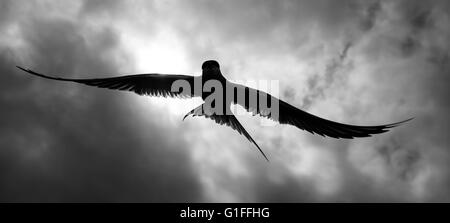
<point x="169" y="85"/>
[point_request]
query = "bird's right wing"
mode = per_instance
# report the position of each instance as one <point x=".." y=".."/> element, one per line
<point x="288" y="114"/>
<point x="142" y="84"/>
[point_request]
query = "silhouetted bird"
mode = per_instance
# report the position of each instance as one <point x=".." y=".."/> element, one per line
<point x="161" y="85"/>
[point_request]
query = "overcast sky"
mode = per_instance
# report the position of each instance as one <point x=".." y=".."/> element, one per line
<point x="357" y="62"/>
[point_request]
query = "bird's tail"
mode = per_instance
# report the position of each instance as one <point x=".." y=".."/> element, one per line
<point x="228" y="120"/>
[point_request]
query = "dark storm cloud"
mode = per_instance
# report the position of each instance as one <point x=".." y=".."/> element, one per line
<point x="62" y="142"/>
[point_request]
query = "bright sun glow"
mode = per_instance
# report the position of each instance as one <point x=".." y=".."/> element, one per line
<point x="156" y="54"/>
<point x="159" y="53"/>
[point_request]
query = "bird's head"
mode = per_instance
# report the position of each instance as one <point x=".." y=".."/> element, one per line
<point x="210" y="65"/>
<point x="211" y="69"/>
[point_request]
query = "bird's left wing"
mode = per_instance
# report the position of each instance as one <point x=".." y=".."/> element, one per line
<point x="288" y="114"/>
<point x="142" y="84"/>
<point x="229" y="120"/>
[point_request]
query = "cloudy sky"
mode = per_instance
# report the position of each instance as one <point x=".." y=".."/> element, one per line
<point x="358" y="62"/>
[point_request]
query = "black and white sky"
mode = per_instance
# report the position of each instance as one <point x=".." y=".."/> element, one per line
<point x="360" y="62"/>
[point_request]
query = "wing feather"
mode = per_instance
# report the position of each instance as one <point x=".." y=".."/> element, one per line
<point x="142" y="84"/>
<point x="288" y="114"/>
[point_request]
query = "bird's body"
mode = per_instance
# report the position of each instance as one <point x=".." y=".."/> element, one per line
<point x="223" y="93"/>
<point x="211" y="74"/>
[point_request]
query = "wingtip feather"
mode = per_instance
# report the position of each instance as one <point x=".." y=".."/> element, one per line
<point x="26" y="70"/>
<point x="399" y="123"/>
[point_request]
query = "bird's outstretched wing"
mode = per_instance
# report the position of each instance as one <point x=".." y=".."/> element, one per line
<point x="142" y="84"/>
<point x="288" y="114"/>
<point x="229" y="120"/>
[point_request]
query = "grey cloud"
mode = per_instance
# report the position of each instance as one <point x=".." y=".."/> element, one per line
<point x="62" y="142"/>
<point x="369" y="15"/>
<point x="288" y="93"/>
<point x="5" y="9"/>
<point x="320" y="83"/>
<point x="402" y="159"/>
<point x="421" y="20"/>
<point x="440" y="58"/>
<point x="278" y="192"/>
<point x="98" y="6"/>
<point x="366" y="30"/>
<point x="410" y="40"/>
<point x="266" y="22"/>
<point x="409" y="46"/>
